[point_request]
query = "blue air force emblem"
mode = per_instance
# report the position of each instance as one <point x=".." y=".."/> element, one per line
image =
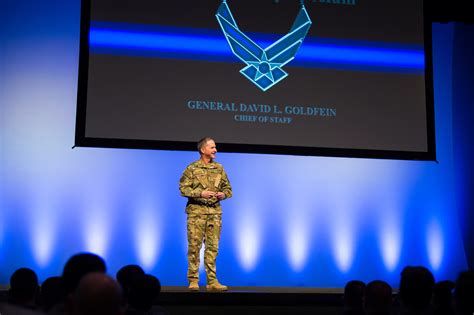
<point x="264" y="66"/>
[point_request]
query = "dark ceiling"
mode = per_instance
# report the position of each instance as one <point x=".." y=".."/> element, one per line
<point x="451" y="11"/>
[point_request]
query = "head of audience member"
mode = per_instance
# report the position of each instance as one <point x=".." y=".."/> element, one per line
<point x="52" y="293"/>
<point x="464" y="293"/>
<point x="125" y="277"/>
<point x="97" y="294"/>
<point x="78" y="266"/>
<point x="143" y="292"/>
<point x="416" y="288"/>
<point x="354" y="296"/>
<point x="23" y="288"/>
<point x="443" y="296"/>
<point x="378" y="298"/>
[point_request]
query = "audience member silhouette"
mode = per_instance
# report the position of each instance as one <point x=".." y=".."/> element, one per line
<point x="85" y="289"/>
<point x="443" y="298"/>
<point x="97" y="294"/>
<point x="52" y="293"/>
<point x="24" y="288"/>
<point x="77" y="267"/>
<point x="416" y="290"/>
<point x="125" y="276"/>
<point x="353" y="298"/>
<point x="378" y="298"/>
<point x="464" y="293"/>
<point x="144" y="291"/>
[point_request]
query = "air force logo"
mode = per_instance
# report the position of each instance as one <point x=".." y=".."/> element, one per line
<point x="264" y="66"/>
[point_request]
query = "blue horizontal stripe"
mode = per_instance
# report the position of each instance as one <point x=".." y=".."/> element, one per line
<point x="171" y="43"/>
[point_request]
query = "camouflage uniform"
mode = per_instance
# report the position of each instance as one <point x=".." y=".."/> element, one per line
<point x="204" y="215"/>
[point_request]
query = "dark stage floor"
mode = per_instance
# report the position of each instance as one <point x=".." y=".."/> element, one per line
<point x="247" y="300"/>
<point x="252" y="300"/>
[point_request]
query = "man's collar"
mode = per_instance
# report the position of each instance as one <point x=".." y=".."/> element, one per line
<point x="211" y="164"/>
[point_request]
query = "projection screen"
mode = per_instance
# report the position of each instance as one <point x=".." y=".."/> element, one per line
<point x="346" y="78"/>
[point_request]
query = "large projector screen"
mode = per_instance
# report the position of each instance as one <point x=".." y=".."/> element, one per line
<point x="320" y="77"/>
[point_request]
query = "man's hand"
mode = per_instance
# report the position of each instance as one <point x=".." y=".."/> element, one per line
<point x="220" y="195"/>
<point x="208" y="194"/>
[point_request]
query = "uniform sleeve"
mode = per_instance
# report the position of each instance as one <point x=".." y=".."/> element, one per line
<point x="186" y="185"/>
<point x="225" y="187"/>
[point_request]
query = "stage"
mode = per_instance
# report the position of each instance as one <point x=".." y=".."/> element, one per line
<point x="252" y="300"/>
<point x="247" y="300"/>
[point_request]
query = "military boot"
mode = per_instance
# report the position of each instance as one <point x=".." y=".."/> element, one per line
<point x="216" y="286"/>
<point x="193" y="286"/>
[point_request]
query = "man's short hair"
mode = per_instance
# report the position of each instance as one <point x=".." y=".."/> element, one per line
<point x="98" y="294"/>
<point x="201" y="143"/>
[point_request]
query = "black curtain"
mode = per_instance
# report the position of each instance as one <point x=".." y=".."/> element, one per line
<point x="463" y="132"/>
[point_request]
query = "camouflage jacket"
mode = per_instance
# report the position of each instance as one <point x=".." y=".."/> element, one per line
<point x="198" y="177"/>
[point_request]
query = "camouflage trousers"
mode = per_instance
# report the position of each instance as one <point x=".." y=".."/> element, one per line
<point x="203" y="228"/>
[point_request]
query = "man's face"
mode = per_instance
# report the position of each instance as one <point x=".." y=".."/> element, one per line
<point x="209" y="150"/>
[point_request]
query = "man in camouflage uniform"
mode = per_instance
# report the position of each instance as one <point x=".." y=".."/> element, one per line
<point x="205" y="183"/>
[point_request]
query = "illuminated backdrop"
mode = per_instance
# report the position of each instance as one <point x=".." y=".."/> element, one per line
<point x="293" y="221"/>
